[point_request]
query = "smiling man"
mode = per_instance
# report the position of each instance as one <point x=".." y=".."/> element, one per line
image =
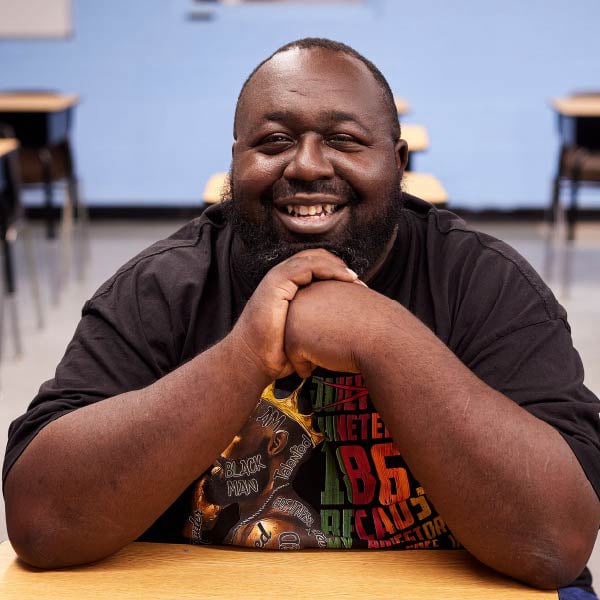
<point x="446" y="395"/>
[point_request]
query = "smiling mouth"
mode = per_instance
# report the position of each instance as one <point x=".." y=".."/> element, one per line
<point x="310" y="211"/>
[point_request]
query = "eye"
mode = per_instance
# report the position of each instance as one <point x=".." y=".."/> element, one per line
<point x="343" y="141"/>
<point x="275" y="142"/>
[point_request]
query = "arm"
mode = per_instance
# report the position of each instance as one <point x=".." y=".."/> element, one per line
<point x="507" y="483"/>
<point x="96" y="478"/>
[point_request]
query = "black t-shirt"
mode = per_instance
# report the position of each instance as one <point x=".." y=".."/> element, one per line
<point x="319" y="468"/>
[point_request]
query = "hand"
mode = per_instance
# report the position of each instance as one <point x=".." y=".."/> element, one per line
<point x="260" y="329"/>
<point x="326" y="323"/>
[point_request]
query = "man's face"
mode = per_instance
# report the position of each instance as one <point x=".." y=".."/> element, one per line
<point x="315" y="163"/>
<point x="242" y="470"/>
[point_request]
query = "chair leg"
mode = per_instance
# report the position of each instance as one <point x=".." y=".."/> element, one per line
<point x="46" y="160"/>
<point x="81" y="238"/>
<point x="10" y="297"/>
<point x="554" y="218"/>
<point x="33" y="275"/>
<point x="572" y="213"/>
<point x="66" y="238"/>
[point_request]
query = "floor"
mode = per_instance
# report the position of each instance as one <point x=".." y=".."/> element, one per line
<point x="111" y="244"/>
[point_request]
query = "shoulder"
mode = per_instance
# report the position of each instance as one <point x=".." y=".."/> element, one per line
<point x="477" y="283"/>
<point x="473" y="264"/>
<point x="181" y="259"/>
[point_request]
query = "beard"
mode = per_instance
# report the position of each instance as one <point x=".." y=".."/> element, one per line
<point x="360" y="244"/>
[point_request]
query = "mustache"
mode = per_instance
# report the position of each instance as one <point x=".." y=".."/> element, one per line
<point x="284" y="188"/>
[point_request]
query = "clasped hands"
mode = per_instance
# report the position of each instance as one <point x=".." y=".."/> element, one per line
<point x="308" y="311"/>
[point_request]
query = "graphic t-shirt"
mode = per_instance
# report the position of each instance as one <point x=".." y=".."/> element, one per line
<point x="314" y="468"/>
<point x="314" y="465"/>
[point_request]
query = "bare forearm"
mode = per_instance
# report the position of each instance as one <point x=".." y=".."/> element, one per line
<point x="501" y="478"/>
<point x="97" y="478"/>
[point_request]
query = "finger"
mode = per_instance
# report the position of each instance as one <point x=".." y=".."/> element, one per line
<point x="301" y="270"/>
<point x="304" y="368"/>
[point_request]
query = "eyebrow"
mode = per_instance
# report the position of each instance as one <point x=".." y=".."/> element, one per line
<point x="328" y="117"/>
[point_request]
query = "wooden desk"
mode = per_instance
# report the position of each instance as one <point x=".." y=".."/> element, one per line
<point x="402" y="106"/>
<point x="36" y="102"/>
<point x="579" y="106"/>
<point x="214" y="187"/>
<point x="42" y="122"/>
<point x="416" y="137"/>
<point x="178" y="571"/>
<point x="39" y="119"/>
<point x="425" y="186"/>
<point x="8" y="145"/>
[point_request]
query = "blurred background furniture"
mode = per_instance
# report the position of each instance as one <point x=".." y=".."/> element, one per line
<point x="11" y="224"/>
<point x="417" y="138"/>
<point x="42" y="123"/>
<point x="424" y="185"/>
<point x="579" y="155"/>
<point x="402" y="106"/>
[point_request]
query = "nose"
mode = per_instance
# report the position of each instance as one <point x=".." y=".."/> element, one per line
<point x="309" y="162"/>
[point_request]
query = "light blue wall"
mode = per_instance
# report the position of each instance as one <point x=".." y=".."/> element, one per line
<point x="159" y="91"/>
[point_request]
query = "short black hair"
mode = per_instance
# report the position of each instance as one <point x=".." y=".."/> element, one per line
<point x="312" y="42"/>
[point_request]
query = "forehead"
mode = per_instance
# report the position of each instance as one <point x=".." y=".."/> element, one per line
<point x="305" y="81"/>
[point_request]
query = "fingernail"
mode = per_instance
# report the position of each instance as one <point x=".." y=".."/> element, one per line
<point x="360" y="282"/>
<point x="352" y="273"/>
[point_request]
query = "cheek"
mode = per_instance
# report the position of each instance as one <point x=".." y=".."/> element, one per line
<point x="370" y="176"/>
<point x="256" y="173"/>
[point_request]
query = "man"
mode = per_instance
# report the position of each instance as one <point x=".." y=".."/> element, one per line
<point x="256" y="473"/>
<point x="476" y="428"/>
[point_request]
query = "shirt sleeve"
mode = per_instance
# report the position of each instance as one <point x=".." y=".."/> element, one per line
<point x="510" y="330"/>
<point x="538" y="367"/>
<point x="122" y="343"/>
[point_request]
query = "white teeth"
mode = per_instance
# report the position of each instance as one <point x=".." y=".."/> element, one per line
<point x="310" y="211"/>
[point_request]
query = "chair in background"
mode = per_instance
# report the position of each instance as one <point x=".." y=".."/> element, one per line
<point x="417" y="138"/>
<point x="42" y="121"/>
<point x="579" y="155"/>
<point x="213" y="190"/>
<point x="11" y="225"/>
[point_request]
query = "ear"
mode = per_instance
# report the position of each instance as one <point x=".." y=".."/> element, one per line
<point x="278" y="442"/>
<point x="401" y="152"/>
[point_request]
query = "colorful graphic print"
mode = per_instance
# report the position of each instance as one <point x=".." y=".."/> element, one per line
<point x="254" y="475"/>
<point x="370" y="498"/>
<point x="355" y="490"/>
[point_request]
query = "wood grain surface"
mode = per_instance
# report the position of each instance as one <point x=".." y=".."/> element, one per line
<point x="402" y="106"/>
<point x="152" y="571"/>
<point x="578" y="107"/>
<point x="425" y="186"/>
<point x="8" y="145"/>
<point x="34" y="102"/>
<point x="416" y="136"/>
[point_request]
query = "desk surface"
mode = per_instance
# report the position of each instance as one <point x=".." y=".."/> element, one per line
<point x="416" y="136"/>
<point x="402" y="106"/>
<point x="577" y="107"/>
<point x="32" y="102"/>
<point x="7" y="145"/>
<point x="425" y="186"/>
<point x="178" y="571"/>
